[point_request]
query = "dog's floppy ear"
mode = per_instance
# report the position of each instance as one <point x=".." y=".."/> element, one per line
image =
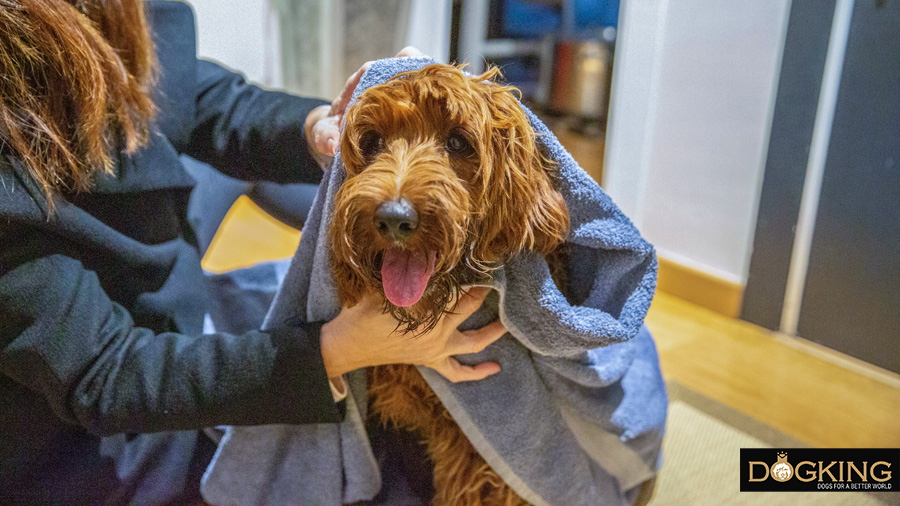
<point x="522" y="208"/>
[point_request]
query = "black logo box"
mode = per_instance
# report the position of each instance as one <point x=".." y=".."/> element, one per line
<point x="845" y="479"/>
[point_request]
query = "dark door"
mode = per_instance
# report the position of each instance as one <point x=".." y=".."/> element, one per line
<point x="851" y="298"/>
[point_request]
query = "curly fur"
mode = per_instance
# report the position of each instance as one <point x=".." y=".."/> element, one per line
<point x="477" y="207"/>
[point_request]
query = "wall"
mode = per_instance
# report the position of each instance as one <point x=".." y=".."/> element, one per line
<point x="692" y="99"/>
<point x="240" y="35"/>
<point x="244" y="35"/>
<point x="429" y="27"/>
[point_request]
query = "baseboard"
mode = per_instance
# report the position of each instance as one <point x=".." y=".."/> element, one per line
<point x="701" y="288"/>
<point x="849" y="362"/>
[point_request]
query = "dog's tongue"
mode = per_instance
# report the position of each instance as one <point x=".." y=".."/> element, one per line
<point x="405" y="275"/>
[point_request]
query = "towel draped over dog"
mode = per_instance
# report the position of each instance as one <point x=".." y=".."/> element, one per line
<point x="576" y="415"/>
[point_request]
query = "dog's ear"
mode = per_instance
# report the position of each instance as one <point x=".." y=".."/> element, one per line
<point x="350" y="287"/>
<point x="351" y="154"/>
<point x="522" y="209"/>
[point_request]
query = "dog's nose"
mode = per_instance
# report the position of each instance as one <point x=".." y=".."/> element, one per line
<point x="396" y="219"/>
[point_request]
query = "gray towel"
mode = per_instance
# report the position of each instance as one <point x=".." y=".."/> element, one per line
<point x="576" y="415"/>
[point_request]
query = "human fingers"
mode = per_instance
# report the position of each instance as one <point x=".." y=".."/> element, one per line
<point x="326" y="135"/>
<point x="468" y="302"/>
<point x="339" y="105"/>
<point x="410" y="52"/>
<point x="451" y="369"/>
<point x="473" y="341"/>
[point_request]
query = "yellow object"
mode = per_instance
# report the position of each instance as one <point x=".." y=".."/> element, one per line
<point x="247" y="236"/>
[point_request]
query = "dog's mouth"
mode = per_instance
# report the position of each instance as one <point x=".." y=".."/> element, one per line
<point x="405" y="275"/>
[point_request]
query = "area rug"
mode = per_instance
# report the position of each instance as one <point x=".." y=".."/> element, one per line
<point x="701" y="453"/>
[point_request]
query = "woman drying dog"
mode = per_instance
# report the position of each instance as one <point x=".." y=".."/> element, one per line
<point x="106" y="376"/>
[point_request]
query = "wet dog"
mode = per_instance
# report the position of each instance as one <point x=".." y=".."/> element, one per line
<point x="445" y="181"/>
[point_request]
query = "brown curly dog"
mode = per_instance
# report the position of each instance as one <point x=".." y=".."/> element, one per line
<point x="445" y="182"/>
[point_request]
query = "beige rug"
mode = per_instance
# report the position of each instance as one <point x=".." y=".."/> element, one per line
<point x="701" y="454"/>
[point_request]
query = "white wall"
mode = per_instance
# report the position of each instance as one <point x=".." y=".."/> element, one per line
<point x="692" y="99"/>
<point x="244" y="35"/>
<point x="429" y="27"/>
<point x="240" y="35"/>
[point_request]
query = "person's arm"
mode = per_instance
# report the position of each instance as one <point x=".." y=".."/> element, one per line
<point x="250" y="133"/>
<point x="62" y="337"/>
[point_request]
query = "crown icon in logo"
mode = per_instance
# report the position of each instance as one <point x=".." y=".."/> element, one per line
<point x="782" y="470"/>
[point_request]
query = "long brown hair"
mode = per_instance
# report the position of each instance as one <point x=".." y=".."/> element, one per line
<point x="75" y="81"/>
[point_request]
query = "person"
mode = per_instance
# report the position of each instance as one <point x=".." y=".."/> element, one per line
<point x="106" y="377"/>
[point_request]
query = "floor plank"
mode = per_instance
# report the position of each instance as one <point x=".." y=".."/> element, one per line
<point x="248" y="235"/>
<point x="803" y="394"/>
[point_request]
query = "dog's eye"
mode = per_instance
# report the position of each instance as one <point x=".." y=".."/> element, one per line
<point x="371" y="143"/>
<point x="457" y="144"/>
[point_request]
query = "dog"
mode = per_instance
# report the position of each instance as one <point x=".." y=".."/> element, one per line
<point x="445" y="181"/>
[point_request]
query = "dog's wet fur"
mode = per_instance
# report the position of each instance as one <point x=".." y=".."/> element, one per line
<point x="454" y="156"/>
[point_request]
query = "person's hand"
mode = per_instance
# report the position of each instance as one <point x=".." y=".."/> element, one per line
<point x="323" y="124"/>
<point x="364" y="336"/>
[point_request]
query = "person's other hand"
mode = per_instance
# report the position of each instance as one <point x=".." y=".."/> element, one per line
<point x="364" y="336"/>
<point x="323" y="124"/>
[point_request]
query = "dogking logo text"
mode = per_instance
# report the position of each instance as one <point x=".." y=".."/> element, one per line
<point x="820" y="469"/>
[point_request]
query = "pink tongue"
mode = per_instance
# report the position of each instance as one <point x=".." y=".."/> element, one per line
<point x="405" y="275"/>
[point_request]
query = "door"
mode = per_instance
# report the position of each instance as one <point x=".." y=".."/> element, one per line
<point x="851" y="290"/>
<point x="851" y="297"/>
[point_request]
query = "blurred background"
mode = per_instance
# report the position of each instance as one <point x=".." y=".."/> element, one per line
<point x="755" y="144"/>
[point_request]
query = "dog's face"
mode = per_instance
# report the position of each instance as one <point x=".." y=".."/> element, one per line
<point x="444" y="182"/>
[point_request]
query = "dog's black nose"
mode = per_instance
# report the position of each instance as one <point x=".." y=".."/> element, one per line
<point x="396" y="219"/>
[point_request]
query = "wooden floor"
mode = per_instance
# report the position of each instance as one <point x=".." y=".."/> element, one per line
<point x="586" y="148"/>
<point x="248" y="235"/>
<point x="818" y="397"/>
